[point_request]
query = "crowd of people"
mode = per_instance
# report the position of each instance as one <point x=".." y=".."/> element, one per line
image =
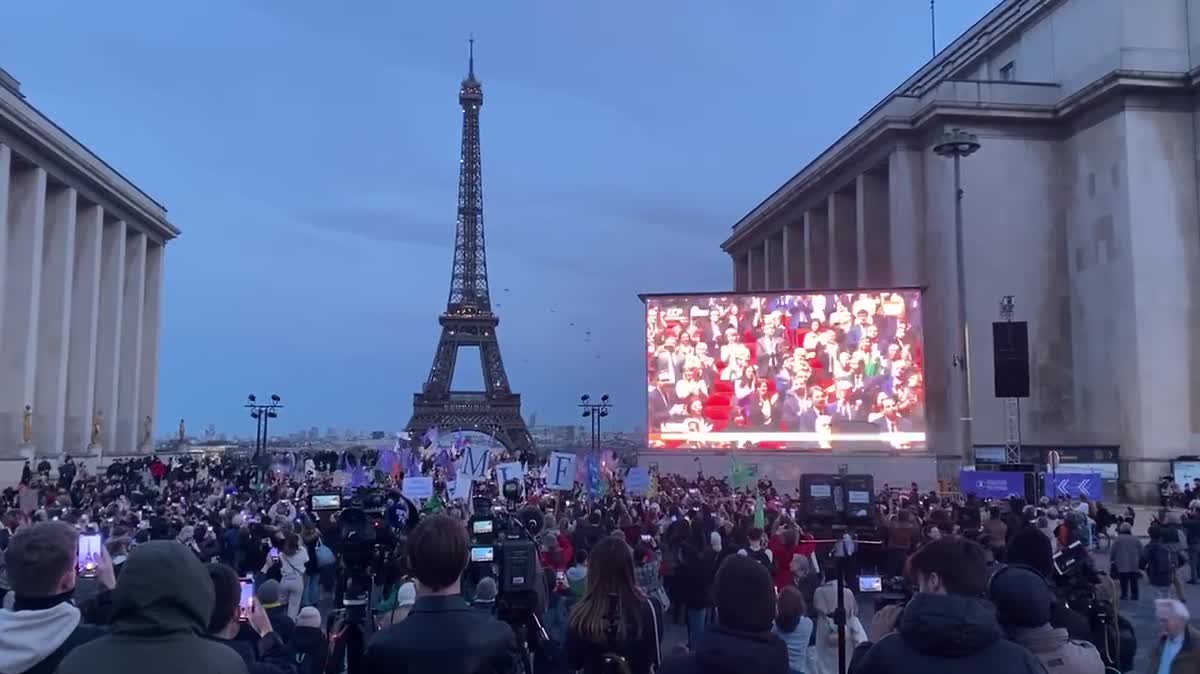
<point x="745" y="573"/>
<point x="845" y="369"/>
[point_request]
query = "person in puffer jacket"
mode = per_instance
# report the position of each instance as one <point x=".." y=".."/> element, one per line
<point x="947" y="627"/>
<point x="1023" y="601"/>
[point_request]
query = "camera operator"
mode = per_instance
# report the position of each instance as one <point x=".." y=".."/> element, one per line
<point x="441" y="632"/>
<point x="1023" y="601"/>
<point x="951" y="577"/>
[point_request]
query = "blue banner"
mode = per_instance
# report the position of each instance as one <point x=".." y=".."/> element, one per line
<point x="989" y="484"/>
<point x="1075" y="485"/>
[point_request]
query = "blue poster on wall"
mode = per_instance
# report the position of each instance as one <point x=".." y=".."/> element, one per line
<point x="1075" y="485"/>
<point x="991" y="484"/>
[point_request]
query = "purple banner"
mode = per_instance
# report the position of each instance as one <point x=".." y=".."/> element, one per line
<point x="989" y="484"/>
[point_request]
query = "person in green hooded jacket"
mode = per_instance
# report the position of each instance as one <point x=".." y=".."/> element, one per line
<point x="160" y="609"/>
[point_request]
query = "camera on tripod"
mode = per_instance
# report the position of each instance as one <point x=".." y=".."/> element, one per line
<point x="503" y="548"/>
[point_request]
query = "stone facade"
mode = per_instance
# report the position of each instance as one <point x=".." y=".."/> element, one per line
<point x="1081" y="202"/>
<point x="81" y="265"/>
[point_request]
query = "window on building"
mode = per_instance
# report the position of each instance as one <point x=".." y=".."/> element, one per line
<point x="1008" y="72"/>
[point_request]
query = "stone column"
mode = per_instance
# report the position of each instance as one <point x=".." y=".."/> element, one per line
<point x="133" y="312"/>
<point x="151" y="319"/>
<point x="768" y="264"/>
<point x="754" y="267"/>
<point x="906" y="216"/>
<point x="816" y="247"/>
<point x="58" y="267"/>
<point x="26" y="216"/>
<point x="108" y="347"/>
<point x="7" y="440"/>
<point x="85" y="314"/>
<point x="794" y="251"/>
<point x="786" y="255"/>
<point x="843" y="246"/>
<point x="874" y="239"/>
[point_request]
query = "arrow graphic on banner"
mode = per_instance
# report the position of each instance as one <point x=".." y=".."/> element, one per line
<point x="1079" y="485"/>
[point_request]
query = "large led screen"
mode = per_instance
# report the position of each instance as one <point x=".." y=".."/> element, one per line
<point x="812" y="371"/>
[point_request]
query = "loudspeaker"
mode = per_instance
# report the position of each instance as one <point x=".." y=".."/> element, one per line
<point x="1010" y="355"/>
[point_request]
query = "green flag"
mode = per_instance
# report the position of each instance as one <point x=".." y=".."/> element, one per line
<point x="433" y="505"/>
<point x="741" y="474"/>
<point x="760" y="515"/>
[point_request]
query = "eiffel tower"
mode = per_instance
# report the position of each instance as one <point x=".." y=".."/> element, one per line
<point x="469" y="320"/>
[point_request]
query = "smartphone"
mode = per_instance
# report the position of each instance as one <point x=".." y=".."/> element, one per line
<point x="870" y="584"/>
<point x="88" y="555"/>
<point x="246" y="600"/>
<point x="560" y="580"/>
<point x="274" y="554"/>
<point x="646" y="538"/>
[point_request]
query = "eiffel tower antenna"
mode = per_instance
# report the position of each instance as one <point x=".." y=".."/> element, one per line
<point x="468" y="320"/>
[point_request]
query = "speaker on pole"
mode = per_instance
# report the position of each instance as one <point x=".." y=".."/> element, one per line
<point x="1010" y="355"/>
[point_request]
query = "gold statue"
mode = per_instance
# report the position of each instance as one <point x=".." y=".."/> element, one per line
<point x="27" y="425"/>
<point x="97" y="419"/>
<point x="147" y="430"/>
<point x="182" y="432"/>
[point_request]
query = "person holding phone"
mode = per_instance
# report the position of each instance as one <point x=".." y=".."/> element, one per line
<point x="267" y="655"/>
<point x="43" y="626"/>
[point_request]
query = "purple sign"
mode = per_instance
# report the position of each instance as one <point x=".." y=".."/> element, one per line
<point x="989" y="484"/>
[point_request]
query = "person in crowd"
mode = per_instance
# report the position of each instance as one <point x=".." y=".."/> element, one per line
<point x="118" y="551"/>
<point x="43" y="625"/>
<point x="951" y="577"/>
<point x="161" y="608"/>
<point x="900" y="535"/>
<point x="806" y="578"/>
<point x="1126" y="555"/>
<point x="266" y="655"/>
<point x="757" y="551"/>
<point x="293" y="558"/>
<point x="1023" y="600"/>
<point x="741" y="640"/>
<point x="996" y="530"/>
<point x="1033" y="551"/>
<point x="614" y="619"/>
<point x="577" y="574"/>
<point x="398" y="600"/>
<point x="308" y="642"/>
<point x="794" y="627"/>
<point x="485" y="596"/>
<point x="441" y="633"/>
<point x="648" y="572"/>
<point x="269" y="597"/>
<point x="1178" y="648"/>
<point x="1191" y="529"/>
<point x="1156" y="561"/>
<point x="693" y="582"/>
<point x="823" y="658"/>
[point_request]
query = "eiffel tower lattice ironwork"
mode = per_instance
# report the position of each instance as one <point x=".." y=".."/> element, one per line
<point x="469" y="320"/>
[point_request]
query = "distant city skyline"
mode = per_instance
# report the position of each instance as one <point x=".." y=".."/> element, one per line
<point x="309" y="155"/>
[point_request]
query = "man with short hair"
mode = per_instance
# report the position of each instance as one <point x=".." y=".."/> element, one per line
<point x="44" y="625"/>
<point x="1178" y="650"/>
<point x="952" y="578"/>
<point x="442" y="633"/>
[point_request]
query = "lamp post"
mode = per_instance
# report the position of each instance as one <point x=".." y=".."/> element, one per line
<point x="262" y="413"/>
<point x="595" y="412"/>
<point x="956" y="144"/>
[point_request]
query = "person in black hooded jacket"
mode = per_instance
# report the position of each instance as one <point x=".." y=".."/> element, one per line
<point x="741" y="640"/>
<point x="266" y="655"/>
<point x="947" y="627"/>
<point x="161" y="607"/>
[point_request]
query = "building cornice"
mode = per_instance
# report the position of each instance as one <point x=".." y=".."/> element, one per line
<point x="1006" y="19"/>
<point x="38" y="130"/>
<point x="922" y="115"/>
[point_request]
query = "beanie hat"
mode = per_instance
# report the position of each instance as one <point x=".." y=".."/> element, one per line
<point x="309" y="617"/>
<point x="486" y="589"/>
<point x="744" y="594"/>
<point x="1021" y="597"/>
<point x="1032" y="548"/>
<point x="268" y="592"/>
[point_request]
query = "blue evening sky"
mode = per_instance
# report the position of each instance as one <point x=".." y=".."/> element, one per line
<point x="308" y="149"/>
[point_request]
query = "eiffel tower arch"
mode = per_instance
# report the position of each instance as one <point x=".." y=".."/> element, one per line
<point x="469" y="320"/>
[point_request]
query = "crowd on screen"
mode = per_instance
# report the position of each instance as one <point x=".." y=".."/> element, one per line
<point x="836" y="365"/>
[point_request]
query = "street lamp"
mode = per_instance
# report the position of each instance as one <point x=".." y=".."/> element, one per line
<point x="956" y="143"/>
<point x="595" y="412"/>
<point x="262" y="413"/>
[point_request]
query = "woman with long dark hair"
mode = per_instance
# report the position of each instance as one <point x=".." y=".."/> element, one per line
<point x="614" y="627"/>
